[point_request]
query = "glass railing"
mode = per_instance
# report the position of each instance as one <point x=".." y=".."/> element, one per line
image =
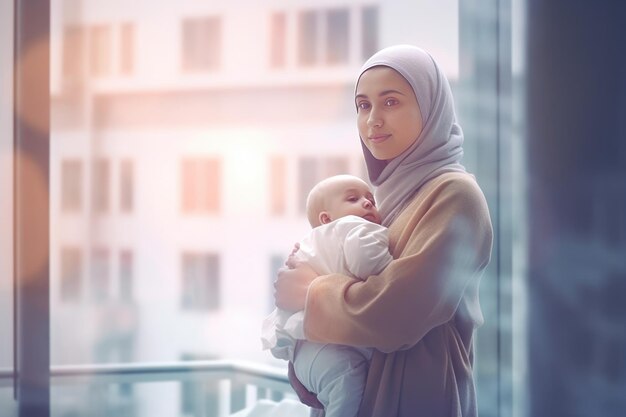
<point x="185" y="389"/>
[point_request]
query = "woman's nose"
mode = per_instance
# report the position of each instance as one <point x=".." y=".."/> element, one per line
<point x="374" y="120"/>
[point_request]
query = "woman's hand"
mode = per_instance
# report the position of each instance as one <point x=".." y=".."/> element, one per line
<point x="291" y="286"/>
<point x="305" y="396"/>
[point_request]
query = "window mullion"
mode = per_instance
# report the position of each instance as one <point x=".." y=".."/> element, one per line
<point x="31" y="205"/>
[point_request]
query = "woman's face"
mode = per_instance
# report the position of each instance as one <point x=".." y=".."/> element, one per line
<point x="389" y="117"/>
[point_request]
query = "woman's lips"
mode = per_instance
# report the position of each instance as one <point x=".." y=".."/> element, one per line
<point x="378" y="138"/>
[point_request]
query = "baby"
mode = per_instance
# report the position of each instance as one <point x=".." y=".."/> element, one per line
<point x="346" y="238"/>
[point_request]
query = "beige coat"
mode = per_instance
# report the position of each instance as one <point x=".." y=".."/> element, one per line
<point x="420" y="313"/>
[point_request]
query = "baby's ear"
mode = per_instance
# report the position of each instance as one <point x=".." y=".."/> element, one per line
<point x="324" y="217"/>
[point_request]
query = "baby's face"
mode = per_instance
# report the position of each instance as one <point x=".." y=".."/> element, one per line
<point x="352" y="197"/>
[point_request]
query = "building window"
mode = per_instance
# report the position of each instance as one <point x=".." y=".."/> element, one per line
<point x="71" y="185"/>
<point x="307" y="38"/>
<point x="126" y="185"/>
<point x="311" y="170"/>
<point x="338" y="39"/>
<point x="127" y="48"/>
<point x="73" y="52"/>
<point x="278" y="40"/>
<point x="278" y="185"/>
<point x="100" y="50"/>
<point x="71" y="268"/>
<point x="100" y="275"/>
<point x="126" y="276"/>
<point x="201" y="43"/>
<point x="200" y="284"/>
<point x="369" y="30"/>
<point x="324" y="37"/>
<point x="100" y="185"/>
<point x="201" y="185"/>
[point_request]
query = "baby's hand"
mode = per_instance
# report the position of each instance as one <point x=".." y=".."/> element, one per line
<point x="291" y="261"/>
<point x="291" y="286"/>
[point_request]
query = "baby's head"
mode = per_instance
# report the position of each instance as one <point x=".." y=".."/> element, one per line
<point x="340" y="196"/>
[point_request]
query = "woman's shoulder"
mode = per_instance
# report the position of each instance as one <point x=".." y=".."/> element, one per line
<point x="460" y="186"/>
<point x="448" y="193"/>
<point x="454" y="181"/>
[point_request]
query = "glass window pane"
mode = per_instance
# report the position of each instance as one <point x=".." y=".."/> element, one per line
<point x="100" y="52"/>
<point x="177" y="187"/>
<point x="100" y="185"/>
<point x="71" y="275"/>
<point x="127" y="47"/>
<point x="73" y="53"/>
<point x="278" y="39"/>
<point x="72" y="185"/>
<point x="369" y="29"/>
<point x="201" y="282"/>
<point x="338" y="36"/>
<point x="307" y="38"/>
<point x="127" y="188"/>
<point x="201" y="43"/>
<point x="211" y="189"/>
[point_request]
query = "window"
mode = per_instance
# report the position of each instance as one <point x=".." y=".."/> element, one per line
<point x="127" y="47"/>
<point x="369" y="30"/>
<point x="73" y="52"/>
<point x="126" y="185"/>
<point x="126" y="276"/>
<point x="316" y="46"/>
<point x="100" y="275"/>
<point x="100" y="185"/>
<point x="100" y="50"/>
<point x="200" y="283"/>
<point x="278" y="40"/>
<point x="338" y="39"/>
<point x="71" y="272"/>
<point x="278" y="185"/>
<point x="324" y="37"/>
<point x="307" y="38"/>
<point x="201" y="185"/>
<point x="71" y="185"/>
<point x="201" y="43"/>
<point x="311" y="170"/>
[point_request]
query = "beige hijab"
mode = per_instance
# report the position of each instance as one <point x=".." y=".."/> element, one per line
<point x="438" y="148"/>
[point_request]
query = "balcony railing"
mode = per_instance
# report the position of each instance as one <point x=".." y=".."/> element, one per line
<point x="198" y="389"/>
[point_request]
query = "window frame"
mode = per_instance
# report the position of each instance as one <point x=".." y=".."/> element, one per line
<point x="31" y="221"/>
<point x="31" y="233"/>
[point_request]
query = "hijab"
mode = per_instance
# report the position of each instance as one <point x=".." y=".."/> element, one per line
<point x="437" y="149"/>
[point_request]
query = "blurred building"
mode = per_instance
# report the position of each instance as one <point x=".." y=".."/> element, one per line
<point x="185" y="138"/>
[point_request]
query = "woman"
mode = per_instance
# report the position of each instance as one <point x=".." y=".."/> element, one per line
<point x="421" y="312"/>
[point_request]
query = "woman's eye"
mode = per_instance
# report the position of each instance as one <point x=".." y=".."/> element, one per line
<point x="363" y="105"/>
<point x="391" y="102"/>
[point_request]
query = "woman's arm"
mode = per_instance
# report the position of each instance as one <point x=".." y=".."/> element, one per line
<point x="443" y="247"/>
